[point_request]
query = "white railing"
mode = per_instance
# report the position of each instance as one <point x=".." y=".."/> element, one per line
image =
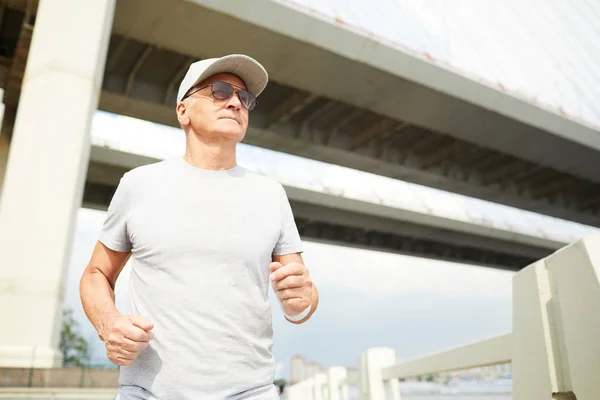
<point x="487" y="352"/>
<point x="331" y="385"/>
<point x="554" y="347"/>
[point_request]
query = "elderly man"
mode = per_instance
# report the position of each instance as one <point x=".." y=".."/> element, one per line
<point x="208" y="238"/>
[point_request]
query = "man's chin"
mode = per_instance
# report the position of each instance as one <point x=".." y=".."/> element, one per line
<point x="232" y="135"/>
<point x="229" y="129"/>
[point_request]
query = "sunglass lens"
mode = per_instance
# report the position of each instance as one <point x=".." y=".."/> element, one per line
<point x="222" y="90"/>
<point x="247" y="99"/>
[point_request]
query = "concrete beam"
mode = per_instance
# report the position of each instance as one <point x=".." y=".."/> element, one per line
<point x="384" y="128"/>
<point x="318" y="56"/>
<point x="441" y="99"/>
<point x="329" y="218"/>
<point x="292" y="105"/>
<point x="147" y="51"/>
<point x="408" y="167"/>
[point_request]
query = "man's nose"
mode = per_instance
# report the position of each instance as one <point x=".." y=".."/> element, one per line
<point x="234" y="102"/>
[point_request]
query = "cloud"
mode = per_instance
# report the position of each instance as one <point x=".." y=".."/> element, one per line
<point x="380" y="274"/>
<point x="279" y="370"/>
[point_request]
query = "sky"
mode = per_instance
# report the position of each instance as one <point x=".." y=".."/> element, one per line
<point x="367" y="298"/>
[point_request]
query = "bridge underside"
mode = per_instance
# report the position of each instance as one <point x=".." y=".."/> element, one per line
<point x="332" y="219"/>
<point x="327" y="107"/>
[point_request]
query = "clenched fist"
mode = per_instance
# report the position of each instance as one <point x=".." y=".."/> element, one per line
<point x="125" y="336"/>
<point x="293" y="286"/>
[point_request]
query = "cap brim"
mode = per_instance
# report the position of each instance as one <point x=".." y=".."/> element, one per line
<point x="246" y="68"/>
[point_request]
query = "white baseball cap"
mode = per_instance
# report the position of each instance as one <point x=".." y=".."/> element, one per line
<point x="246" y="68"/>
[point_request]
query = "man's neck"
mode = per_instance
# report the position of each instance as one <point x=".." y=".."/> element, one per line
<point x="213" y="156"/>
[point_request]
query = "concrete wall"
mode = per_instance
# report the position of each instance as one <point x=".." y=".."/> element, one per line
<point x="4" y="141"/>
<point x="59" y="377"/>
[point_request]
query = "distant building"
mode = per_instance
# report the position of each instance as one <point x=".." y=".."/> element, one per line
<point x="297" y="369"/>
<point x="301" y="369"/>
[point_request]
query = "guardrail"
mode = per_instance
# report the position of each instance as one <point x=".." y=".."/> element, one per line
<point x="554" y="346"/>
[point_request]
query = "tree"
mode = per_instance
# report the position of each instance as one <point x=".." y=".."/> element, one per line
<point x="74" y="347"/>
<point x="281" y="384"/>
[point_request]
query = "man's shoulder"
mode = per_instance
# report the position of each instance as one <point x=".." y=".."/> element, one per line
<point x="262" y="180"/>
<point x="147" y="173"/>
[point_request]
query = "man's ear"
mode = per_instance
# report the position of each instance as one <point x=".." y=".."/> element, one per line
<point x="182" y="115"/>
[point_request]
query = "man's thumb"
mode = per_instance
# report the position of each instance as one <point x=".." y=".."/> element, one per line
<point x="141" y="322"/>
<point x="275" y="266"/>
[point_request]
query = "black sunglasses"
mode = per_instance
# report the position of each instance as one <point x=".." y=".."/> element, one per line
<point x="223" y="91"/>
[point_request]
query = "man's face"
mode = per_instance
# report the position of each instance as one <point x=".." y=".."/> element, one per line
<point x="227" y="119"/>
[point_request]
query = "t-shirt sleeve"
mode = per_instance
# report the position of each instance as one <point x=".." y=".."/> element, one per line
<point x="289" y="240"/>
<point x="114" y="233"/>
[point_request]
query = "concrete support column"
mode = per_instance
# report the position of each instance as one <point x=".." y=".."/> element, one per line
<point x="372" y="385"/>
<point x="4" y="142"/>
<point x="1" y="106"/>
<point x="44" y="177"/>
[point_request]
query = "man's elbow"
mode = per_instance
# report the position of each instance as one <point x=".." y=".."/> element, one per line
<point x="93" y="273"/>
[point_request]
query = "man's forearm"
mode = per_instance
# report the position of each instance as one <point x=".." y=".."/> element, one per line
<point x="97" y="298"/>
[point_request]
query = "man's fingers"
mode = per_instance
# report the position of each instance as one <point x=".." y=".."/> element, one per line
<point x="297" y="305"/>
<point x="141" y="322"/>
<point x="114" y="351"/>
<point x="136" y="334"/>
<point x="127" y="337"/>
<point x="287" y="270"/>
<point x="296" y="293"/>
<point x="294" y="281"/>
<point x="123" y="361"/>
<point x="132" y="346"/>
<point x="125" y="353"/>
<point x="128" y="345"/>
<point x="275" y="266"/>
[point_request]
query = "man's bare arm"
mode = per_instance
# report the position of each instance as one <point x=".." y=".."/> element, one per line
<point x="124" y="336"/>
<point x="97" y="284"/>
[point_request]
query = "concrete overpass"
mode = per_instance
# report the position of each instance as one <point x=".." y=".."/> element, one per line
<point x="326" y="216"/>
<point x="339" y="96"/>
<point x="336" y="95"/>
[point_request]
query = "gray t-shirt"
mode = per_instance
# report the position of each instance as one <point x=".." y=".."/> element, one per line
<point x="201" y="243"/>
